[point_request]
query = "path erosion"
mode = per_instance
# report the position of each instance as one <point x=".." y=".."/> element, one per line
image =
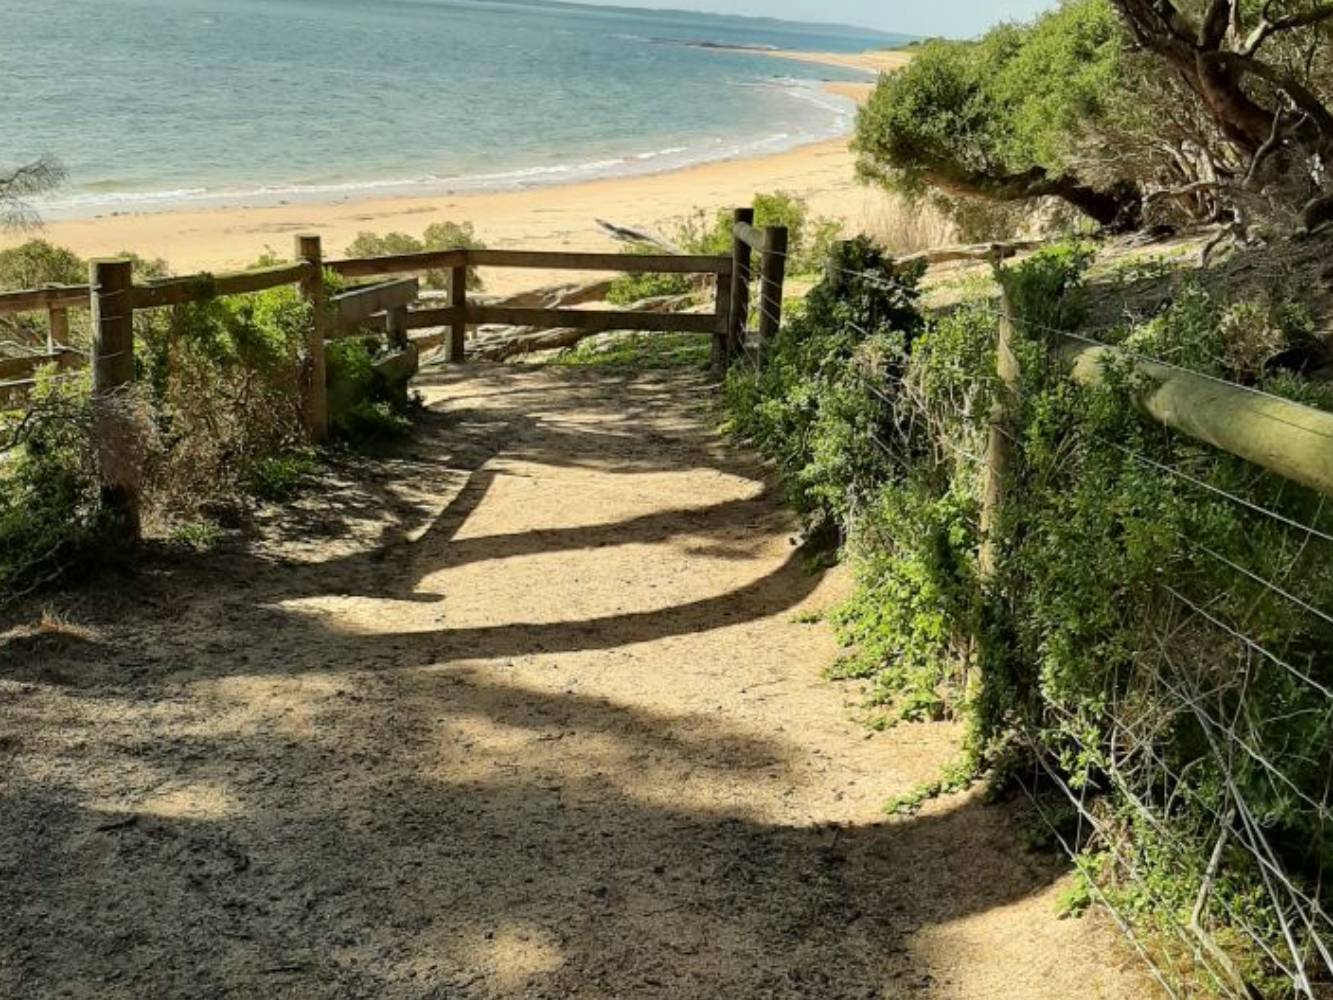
<point x="527" y="711"/>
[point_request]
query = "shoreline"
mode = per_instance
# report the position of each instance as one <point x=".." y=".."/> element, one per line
<point x="561" y="216"/>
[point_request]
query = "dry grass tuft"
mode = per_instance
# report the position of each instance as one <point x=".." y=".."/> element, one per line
<point x="50" y="632"/>
<point x="903" y="227"/>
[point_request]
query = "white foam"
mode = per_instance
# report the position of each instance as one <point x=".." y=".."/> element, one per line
<point x="666" y="159"/>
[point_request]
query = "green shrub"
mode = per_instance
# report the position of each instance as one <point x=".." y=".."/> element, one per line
<point x="280" y="477"/>
<point x="226" y="382"/>
<point x="628" y="289"/>
<point x="1008" y="118"/>
<point x="810" y="240"/>
<point x="37" y="263"/>
<point x="50" y="518"/>
<point x="438" y="236"/>
<point x="640" y="352"/>
<point x="363" y="408"/>
<point x="1088" y="653"/>
<point x="811" y="407"/>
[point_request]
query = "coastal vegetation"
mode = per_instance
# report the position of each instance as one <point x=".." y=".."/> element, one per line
<point x="1131" y="626"/>
<point x="438" y="236"/>
<point x="1078" y="663"/>
<point x="706" y="231"/>
<point x="214" y="421"/>
<point x="1122" y="112"/>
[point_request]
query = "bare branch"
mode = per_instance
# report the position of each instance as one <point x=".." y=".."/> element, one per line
<point x="24" y="182"/>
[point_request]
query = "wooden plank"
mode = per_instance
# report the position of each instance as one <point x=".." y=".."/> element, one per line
<point x="402" y="263"/>
<point x="203" y="287"/>
<point x="12" y="368"/>
<point x="51" y="297"/>
<point x="355" y="307"/>
<point x="772" y="277"/>
<point x="593" y="320"/>
<point x="57" y="328"/>
<point x="721" y="348"/>
<point x="742" y="272"/>
<point x="1286" y="438"/>
<point x="1000" y="443"/>
<point x="622" y="262"/>
<point x="420" y="319"/>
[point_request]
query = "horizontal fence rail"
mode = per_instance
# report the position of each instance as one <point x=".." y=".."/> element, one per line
<point x="554" y="260"/>
<point x="381" y="309"/>
<point x="52" y="297"/>
<point x="593" y="320"/>
<point x="26" y="367"/>
<point x="403" y="263"/>
<point x="1291" y="439"/>
<point x="202" y="287"/>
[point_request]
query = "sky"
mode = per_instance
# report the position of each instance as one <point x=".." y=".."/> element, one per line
<point x="952" y="18"/>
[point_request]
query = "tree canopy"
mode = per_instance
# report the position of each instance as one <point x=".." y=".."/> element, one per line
<point x="1003" y="118"/>
<point x="1213" y="109"/>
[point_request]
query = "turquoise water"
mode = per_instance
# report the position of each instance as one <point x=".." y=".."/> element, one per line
<point x="158" y="103"/>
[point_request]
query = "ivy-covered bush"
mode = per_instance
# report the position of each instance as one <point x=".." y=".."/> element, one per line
<point x="812" y="406"/>
<point x="1154" y="646"/>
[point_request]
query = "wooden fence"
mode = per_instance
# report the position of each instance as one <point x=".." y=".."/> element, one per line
<point x="393" y="305"/>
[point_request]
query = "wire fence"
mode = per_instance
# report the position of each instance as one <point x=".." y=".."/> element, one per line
<point x="1207" y="766"/>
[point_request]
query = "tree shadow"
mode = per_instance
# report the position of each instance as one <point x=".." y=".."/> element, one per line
<point x="336" y="866"/>
<point x="415" y="822"/>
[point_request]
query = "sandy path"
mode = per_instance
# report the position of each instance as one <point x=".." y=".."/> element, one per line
<point x="523" y="712"/>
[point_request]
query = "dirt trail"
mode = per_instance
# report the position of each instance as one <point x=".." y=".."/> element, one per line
<point x="527" y="713"/>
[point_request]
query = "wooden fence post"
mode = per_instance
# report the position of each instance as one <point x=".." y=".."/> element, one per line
<point x="316" y="402"/>
<point x="458" y="301"/>
<point x="742" y="271"/>
<point x="721" y="354"/>
<point x="57" y="330"/>
<point x="112" y="306"/>
<point x="773" y="274"/>
<point x="395" y="327"/>
<point x="1000" y="446"/>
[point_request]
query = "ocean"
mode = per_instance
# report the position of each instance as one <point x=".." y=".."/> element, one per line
<point x="154" y="104"/>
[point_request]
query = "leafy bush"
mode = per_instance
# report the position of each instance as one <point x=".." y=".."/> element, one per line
<point x="1096" y="651"/>
<point x="37" y="263"/>
<point x="639" y="352"/>
<point x="226" y="382"/>
<point x="49" y="510"/>
<point x="810" y="240"/>
<point x="438" y="236"/>
<point x="810" y="407"/>
<point x="628" y="289"/>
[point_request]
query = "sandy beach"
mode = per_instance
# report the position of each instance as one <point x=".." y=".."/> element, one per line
<point x="548" y="218"/>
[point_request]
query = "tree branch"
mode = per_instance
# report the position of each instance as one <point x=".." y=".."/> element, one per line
<point x="1268" y="27"/>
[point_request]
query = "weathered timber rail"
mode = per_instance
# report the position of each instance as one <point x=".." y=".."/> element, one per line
<point x="388" y="308"/>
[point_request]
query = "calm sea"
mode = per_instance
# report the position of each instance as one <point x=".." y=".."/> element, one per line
<point x="157" y="103"/>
